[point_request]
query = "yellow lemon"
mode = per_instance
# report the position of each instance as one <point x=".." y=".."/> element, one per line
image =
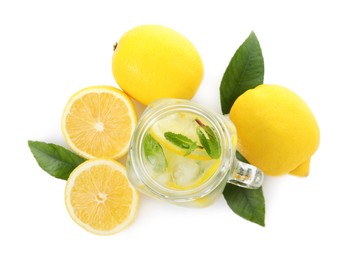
<point x="153" y="61"/>
<point x="276" y="130"/>
<point x="99" y="197"/>
<point x="98" y="122"/>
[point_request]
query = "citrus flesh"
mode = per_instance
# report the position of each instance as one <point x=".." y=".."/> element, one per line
<point x="98" y="122"/>
<point x="99" y="197"/>
<point x="276" y="130"/>
<point x="153" y="61"/>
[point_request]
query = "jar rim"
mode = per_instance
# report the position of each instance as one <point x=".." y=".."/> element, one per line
<point x="165" y="107"/>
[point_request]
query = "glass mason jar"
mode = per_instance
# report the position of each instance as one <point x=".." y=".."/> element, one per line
<point x="229" y="168"/>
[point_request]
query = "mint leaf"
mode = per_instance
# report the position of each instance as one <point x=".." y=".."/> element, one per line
<point x="203" y="140"/>
<point x="245" y="71"/>
<point x="153" y="152"/>
<point x="247" y="203"/>
<point x="181" y="141"/>
<point x="215" y="150"/>
<point x="210" y="144"/>
<point x="54" y="159"/>
<point x="190" y="149"/>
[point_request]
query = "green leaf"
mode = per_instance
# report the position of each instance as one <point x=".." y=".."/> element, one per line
<point x="210" y="144"/>
<point x="190" y="149"/>
<point x="240" y="157"/>
<point x="153" y="152"/>
<point x="247" y="203"/>
<point x="54" y="159"/>
<point x="203" y="140"/>
<point x="181" y="141"/>
<point x="245" y="71"/>
<point x="215" y="150"/>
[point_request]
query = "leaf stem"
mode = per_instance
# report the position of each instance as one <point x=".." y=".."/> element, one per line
<point x="199" y="122"/>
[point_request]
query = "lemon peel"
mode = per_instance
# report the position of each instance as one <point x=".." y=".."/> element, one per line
<point x="276" y="130"/>
<point x="153" y="61"/>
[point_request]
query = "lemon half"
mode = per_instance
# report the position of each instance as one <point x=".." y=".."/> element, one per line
<point x="99" y="197"/>
<point x="98" y="122"/>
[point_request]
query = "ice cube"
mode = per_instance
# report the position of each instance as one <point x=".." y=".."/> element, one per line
<point x="163" y="178"/>
<point x="186" y="172"/>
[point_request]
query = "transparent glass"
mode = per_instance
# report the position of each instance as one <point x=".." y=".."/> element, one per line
<point x="227" y="167"/>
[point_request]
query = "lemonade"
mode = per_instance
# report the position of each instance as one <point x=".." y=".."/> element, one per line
<point x="174" y="151"/>
<point x="184" y="154"/>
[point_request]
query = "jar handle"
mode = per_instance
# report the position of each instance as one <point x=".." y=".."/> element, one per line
<point x="246" y="175"/>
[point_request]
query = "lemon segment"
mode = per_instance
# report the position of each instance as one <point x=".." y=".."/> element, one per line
<point x="99" y="197"/>
<point x="98" y="122"/>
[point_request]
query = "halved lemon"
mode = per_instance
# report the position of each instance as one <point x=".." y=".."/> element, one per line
<point x="179" y="123"/>
<point x="99" y="197"/>
<point x="98" y="122"/>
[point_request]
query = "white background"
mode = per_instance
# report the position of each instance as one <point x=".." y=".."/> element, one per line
<point x="51" y="49"/>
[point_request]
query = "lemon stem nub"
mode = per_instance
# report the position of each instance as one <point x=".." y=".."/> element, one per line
<point x="115" y="46"/>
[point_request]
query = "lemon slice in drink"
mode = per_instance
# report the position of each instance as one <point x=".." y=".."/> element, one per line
<point x="179" y="123"/>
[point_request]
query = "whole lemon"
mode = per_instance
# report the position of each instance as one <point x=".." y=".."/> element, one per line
<point x="276" y="130"/>
<point x="153" y="61"/>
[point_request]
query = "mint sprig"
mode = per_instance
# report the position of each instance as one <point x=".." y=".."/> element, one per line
<point x="208" y="140"/>
<point x="153" y="152"/>
<point x="181" y="141"/>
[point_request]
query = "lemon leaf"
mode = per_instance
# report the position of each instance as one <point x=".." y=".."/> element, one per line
<point x="54" y="159"/>
<point x="241" y="157"/>
<point x="245" y="71"/>
<point x="154" y="154"/>
<point x="246" y="203"/>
